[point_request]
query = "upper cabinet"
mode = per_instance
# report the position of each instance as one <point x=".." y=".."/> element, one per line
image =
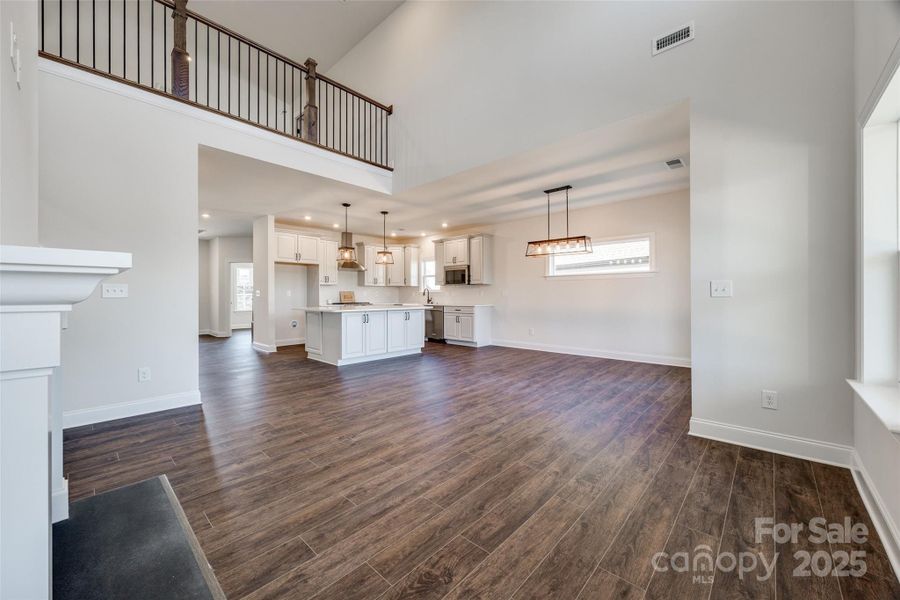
<point x="475" y="252"/>
<point x="456" y="252"/>
<point x="411" y="266"/>
<point x="403" y="272"/>
<point x="293" y="247"/>
<point x="328" y="269"/>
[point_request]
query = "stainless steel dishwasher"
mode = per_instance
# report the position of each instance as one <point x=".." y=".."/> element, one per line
<point x="434" y="323"/>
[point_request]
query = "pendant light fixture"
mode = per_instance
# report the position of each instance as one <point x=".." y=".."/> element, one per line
<point x="346" y="255"/>
<point x="384" y="256"/>
<point x="575" y="244"/>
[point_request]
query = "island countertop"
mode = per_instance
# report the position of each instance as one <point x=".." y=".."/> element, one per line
<point x="366" y="308"/>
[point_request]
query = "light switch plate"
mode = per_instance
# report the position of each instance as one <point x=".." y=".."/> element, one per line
<point x="115" y="290"/>
<point x="720" y="288"/>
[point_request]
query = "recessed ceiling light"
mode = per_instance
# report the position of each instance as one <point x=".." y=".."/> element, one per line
<point x="205" y="215"/>
<point x="393" y="234"/>
<point x="335" y="225"/>
<point x="423" y="234"/>
<point x="443" y="225"/>
<point x="307" y="218"/>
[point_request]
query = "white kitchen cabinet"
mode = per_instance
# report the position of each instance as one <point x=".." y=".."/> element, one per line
<point x="406" y="330"/>
<point x="439" y="276"/>
<point x="467" y="325"/>
<point x="411" y="266"/>
<point x="292" y="247"/>
<point x="340" y="336"/>
<point x="328" y="271"/>
<point x="394" y="272"/>
<point x="456" y="252"/>
<point x="481" y="260"/>
<point x="374" y="274"/>
<point x="354" y="342"/>
<point x="364" y="334"/>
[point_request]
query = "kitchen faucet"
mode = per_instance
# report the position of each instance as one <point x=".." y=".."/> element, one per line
<point x="427" y="293"/>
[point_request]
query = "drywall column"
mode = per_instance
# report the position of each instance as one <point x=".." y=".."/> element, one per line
<point x="264" y="283"/>
<point x="37" y="285"/>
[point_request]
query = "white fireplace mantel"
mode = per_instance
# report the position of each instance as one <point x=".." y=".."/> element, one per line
<point x="37" y="285"/>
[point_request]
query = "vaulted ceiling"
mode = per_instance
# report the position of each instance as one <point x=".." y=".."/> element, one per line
<point x="617" y="162"/>
<point x="323" y="30"/>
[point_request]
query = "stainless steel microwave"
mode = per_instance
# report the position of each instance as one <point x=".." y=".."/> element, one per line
<point x="456" y="276"/>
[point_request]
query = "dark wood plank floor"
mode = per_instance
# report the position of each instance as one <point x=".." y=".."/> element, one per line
<point x="463" y="473"/>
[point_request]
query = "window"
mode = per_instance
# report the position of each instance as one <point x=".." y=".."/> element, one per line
<point x="611" y="256"/>
<point x="429" y="282"/>
<point x="242" y="287"/>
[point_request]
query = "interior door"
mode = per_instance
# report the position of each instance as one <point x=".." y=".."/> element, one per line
<point x="354" y="343"/>
<point x="241" y="295"/>
<point x="396" y="330"/>
<point x="415" y="329"/>
<point x="285" y="246"/>
<point x="376" y="332"/>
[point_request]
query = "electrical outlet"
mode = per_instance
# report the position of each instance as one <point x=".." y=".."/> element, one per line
<point x="143" y="374"/>
<point x="720" y="288"/>
<point x="115" y="290"/>
<point x="770" y="399"/>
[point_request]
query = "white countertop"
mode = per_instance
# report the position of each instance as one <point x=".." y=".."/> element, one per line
<point x="365" y="308"/>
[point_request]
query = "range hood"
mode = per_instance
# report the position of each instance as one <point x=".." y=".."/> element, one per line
<point x="348" y="265"/>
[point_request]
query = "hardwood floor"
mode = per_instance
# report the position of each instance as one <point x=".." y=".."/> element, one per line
<point x="464" y="473"/>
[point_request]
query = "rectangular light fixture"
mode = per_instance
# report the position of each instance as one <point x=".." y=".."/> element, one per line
<point x="571" y="244"/>
<point x="579" y="244"/>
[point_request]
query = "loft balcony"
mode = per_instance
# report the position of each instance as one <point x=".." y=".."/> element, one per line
<point x="134" y="42"/>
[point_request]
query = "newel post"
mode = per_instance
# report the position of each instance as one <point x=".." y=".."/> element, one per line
<point x="310" y="127"/>
<point x="181" y="60"/>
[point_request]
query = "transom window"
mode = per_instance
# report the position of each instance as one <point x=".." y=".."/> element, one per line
<point x="611" y="256"/>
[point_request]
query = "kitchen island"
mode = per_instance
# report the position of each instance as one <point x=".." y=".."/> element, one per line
<point x="346" y="335"/>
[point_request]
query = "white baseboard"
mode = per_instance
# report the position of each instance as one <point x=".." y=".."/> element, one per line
<point x="247" y="326"/>
<point x="290" y="342"/>
<point x="264" y="347"/>
<point x="59" y="503"/>
<point x="888" y="530"/>
<point x="674" y="361"/>
<point x="88" y="416"/>
<point x="779" y="443"/>
<point x="219" y="334"/>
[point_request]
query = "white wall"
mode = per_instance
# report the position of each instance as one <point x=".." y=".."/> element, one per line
<point x="19" y="127"/>
<point x="771" y="161"/>
<point x="203" y="285"/>
<point x="644" y="318"/>
<point x="876" y="23"/>
<point x="118" y="171"/>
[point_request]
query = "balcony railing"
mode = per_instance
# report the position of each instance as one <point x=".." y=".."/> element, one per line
<point x="132" y="41"/>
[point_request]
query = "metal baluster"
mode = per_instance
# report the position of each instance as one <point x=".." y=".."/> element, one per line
<point x="229" y="74"/>
<point x="77" y="31"/>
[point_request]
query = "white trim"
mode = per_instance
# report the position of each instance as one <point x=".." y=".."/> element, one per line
<point x="26" y="373"/>
<point x="205" y="332"/>
<point x="128" y="91"/>
<point x="110" y="412"/>
<point x="883" y="401"/>
<point x="247" y="326"/>
<point x="362" y="359"/>
<point x="264" y="347"/>
<point x="656" y="359"/>
<point x="59" y="503"/>
<point x="884" y="79"/>
<point x="779" y="443"/>
<point x="290" y="342"/>
<point x="218" y="334"/>
<point x="887" y="529"/>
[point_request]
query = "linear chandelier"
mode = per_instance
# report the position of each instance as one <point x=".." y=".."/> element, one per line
<point x="575" y="244"/>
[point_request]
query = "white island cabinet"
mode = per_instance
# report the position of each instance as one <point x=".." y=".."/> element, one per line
<point x="349" y="335"/>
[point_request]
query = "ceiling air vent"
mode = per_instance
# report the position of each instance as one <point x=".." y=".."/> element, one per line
<point x="675" y="163"/>
<point x="673" y="38"/>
